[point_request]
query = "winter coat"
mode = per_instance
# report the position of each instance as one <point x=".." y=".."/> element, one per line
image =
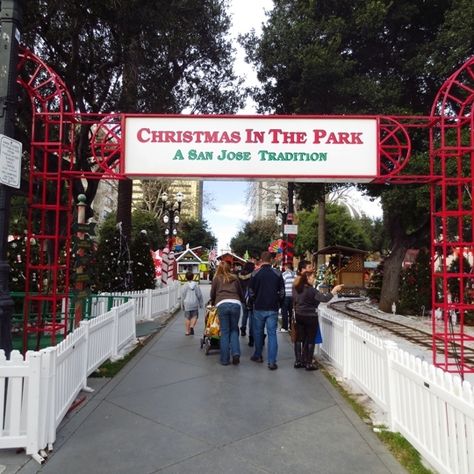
<point x="226" y="291"/>
<point x="267" y="288"/>
<point x="307" y="302"/>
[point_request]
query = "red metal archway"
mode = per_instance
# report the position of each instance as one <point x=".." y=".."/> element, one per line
<point x="452" y="218"/>
<point x="53" y="167"/>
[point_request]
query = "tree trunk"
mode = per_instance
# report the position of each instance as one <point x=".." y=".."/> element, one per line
<point x="321" y="229"/>
<point x="391" y="276"/>
<point x="124" y="207"/>
<point x="128" y="102"/>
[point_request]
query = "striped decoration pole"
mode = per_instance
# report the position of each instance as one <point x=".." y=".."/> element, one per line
<point x="171" y="265"/>
<point x="164" y="266"/>
<point x="290" y="248"/>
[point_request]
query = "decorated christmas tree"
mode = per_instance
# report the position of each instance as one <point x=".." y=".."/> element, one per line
<point x="143" y="267"/>
<point x="374" y="287"/>
<point x="114" y="271"/>
<point x="16" y="252"/>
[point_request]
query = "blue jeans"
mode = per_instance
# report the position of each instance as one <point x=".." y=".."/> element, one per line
<point x="229" y="315"/>
<point x="245" y="316"/>
<point x="268" y="319"/>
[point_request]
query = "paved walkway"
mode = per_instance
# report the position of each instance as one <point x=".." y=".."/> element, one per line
<point x="173" y="409"/>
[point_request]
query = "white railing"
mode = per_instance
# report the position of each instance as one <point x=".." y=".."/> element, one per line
<point x="37" y="391"/>
<point x="148" y="303"/>
<point x="434" y="410"/>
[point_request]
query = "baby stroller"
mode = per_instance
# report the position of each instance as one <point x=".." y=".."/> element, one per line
<point x="212" y="331"/>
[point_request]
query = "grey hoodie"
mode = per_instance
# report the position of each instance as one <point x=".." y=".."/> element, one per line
<point x="191" y="296"/>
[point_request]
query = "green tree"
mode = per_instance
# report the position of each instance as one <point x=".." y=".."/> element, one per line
<point x="113" y="270"/>
<point x="197" y="233"/>
<point x="16" y="254"/>
<point x="374" y="287"/>
<point x="113" y="256"/>
<point x="135" y="56"/>
<point x="143" y="220"/>
<point x="454" y="284"/>
<point x="374" y="229"/>
<point x="415" y="285"/>
<point x="254" y="237"/>
<point x="341" y="57"/>
<point x="342" y="229"/>
<point x="143" y="267"/>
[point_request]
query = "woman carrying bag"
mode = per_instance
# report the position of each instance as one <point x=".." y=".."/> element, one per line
<point x="306" y="300"/>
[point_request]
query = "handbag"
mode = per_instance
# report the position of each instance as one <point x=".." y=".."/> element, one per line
<point x="319" y="337"/>
<point x="293" y="330"/>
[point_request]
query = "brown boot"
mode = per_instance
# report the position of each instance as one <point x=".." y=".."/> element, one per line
<point x="309" y="364"/>
<point x="298" y="356"/>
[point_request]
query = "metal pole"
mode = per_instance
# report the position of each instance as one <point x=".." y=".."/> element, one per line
<point x="290" y="240"/>
<point x="10" y="29"/>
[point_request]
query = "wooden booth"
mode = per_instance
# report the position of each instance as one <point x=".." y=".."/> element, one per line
<point x="235" y="262"/>
<point x="345" y="265"/>
<point x="188" y="261"/>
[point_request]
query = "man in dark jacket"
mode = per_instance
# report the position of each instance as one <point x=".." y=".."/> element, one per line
<point x="267" y="290"/>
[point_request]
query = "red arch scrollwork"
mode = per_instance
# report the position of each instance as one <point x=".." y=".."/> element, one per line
<point x="395" y="147"/>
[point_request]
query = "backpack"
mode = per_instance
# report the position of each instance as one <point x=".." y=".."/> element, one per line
<point x="191" y="300"/>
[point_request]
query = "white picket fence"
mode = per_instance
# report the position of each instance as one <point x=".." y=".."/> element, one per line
<point x="37" y="391"/>
<point x="148" y="303"/>
<point x="432" y="409"/>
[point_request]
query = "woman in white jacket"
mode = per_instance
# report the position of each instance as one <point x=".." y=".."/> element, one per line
<point x="191" y="301"/>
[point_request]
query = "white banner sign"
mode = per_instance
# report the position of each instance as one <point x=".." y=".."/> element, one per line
<point x="295" y="148"/>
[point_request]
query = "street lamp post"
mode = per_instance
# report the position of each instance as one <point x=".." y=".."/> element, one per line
<point x="10" y="25"/>
<point x="281" y="218"/>
<point x="171" y="216"/>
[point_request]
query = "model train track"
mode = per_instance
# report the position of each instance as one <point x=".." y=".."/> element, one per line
<point x="414" y="335"/>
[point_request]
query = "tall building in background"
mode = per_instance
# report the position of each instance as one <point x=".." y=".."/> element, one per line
<point x="105" y="200"/>
<point x="192" y="200"/>
<point x="193" y="197"/>
<point x="261" y="197"/>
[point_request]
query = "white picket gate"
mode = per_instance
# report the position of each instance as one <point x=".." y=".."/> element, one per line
<point x="434" y="410"/>
<point x="20" y="393"/>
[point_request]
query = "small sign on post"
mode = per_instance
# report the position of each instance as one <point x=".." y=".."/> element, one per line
<point x="290" y="229"/>
<point x="10" y="161"/>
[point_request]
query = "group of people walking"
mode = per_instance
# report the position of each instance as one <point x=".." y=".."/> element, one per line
<point x="258" y="292"/>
